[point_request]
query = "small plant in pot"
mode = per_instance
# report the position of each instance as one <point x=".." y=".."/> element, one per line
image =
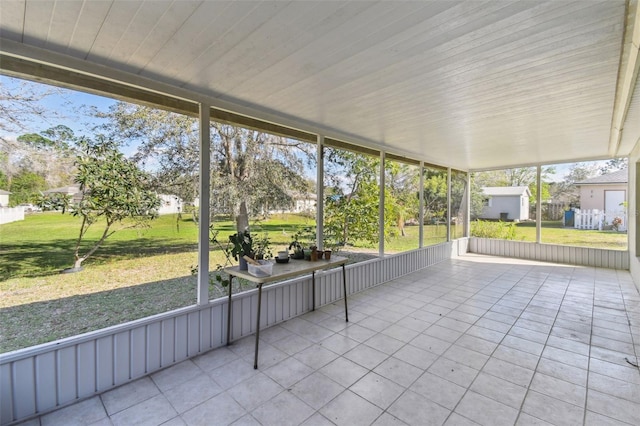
<point x="241" y="245"/>
<point x="297" y="246"/>
<point x="298" y="250"/>
<point x="262" y="247"/>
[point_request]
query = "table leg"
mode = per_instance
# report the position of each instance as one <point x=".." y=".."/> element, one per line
<point x="229" y="311"/>
<point x="255" y="361"/>
<point x="313" y="290"/>
<point x="344" y="285"/>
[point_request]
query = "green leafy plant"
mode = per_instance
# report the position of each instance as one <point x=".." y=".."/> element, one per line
<point x="241" y="245"/>
<point x="262" y="246"/>
<point x="490" y="229"/>
<point x="298" y="241"/>
<point x="112" y="188"/>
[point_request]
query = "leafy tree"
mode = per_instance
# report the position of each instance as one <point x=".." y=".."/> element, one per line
<point x="25" y="187"/>
<point x="522" y="176"/>
<point x="113" y="189"/>
<point x="435" y="194"/>
<point x="4" y="180"/>
<point x="352" y="199"/>
<point x="48" y="154"/>
<point x="401" y="182"/>
<point x="246" y="165"/>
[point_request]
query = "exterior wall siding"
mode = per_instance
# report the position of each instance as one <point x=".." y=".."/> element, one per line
<point x="43" y="378"/>
<point x="584" y="256"/>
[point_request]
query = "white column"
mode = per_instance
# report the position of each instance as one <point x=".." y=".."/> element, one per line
<point x="320" y="193"/>
<point x="539" y="204"/>
<point x="467" y="213"/>
<point x="381" y="208"/>
<point x="449" y="212"/>
<point x="421" y="204"/>
<point x="204" y="210"/>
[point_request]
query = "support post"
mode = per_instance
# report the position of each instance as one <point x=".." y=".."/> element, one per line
<point x="381" y="207"/>
<point x="421" y="211"/>
<point x="204" y="210"/>
<point x="320" y="194"/>
<point x="449" y="212"/>
<point x="539" y="204"/>
<point x="467" y="210"/>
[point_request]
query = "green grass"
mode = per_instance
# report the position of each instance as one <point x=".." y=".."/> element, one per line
<point x="141" y="272"/>
<point x="555" y="233"/>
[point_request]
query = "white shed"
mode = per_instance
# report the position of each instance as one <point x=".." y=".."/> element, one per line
<point x="506" y="203"/>
<point x="169" y="204"/>
<point x="608" y="194"/>
<point x="4" y="198"/>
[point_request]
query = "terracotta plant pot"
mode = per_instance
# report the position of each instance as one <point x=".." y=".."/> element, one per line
<point x="327" y="254"/>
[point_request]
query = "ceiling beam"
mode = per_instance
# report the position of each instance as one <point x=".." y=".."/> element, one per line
<point x="627" y="78"/>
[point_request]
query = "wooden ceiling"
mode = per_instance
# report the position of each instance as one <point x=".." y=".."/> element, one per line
<point x="466" y="84"/>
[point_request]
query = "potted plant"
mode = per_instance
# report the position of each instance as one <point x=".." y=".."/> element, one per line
<point x="297" y="247"/>
<point x="298" y="250"/>
<point x="241" y="245"/>
<point x="262" y="247"/>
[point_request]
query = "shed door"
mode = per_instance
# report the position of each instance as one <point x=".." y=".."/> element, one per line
<point x="613" y="201"/>
<point x="612" y="205"/>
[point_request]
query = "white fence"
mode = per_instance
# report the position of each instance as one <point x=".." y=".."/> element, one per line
<point x="599" y="219"/>
<point x="13" y="214"/>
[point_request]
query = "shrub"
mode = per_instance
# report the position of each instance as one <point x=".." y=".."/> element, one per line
<point x="490" y="229"/>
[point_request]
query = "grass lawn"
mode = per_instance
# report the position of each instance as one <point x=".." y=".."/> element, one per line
<point x="141" y="272"/>
<point x="136" y="273"/>
<point x="554" y="233"/>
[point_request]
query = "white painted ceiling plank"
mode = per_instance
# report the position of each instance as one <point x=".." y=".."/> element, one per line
<point x="112" y="31"/>
<point x="37" y="20"/>
<point x="87" y="27"/>
<point x="65" y="16"/>
<point x="12" y="19"/>
<point x="204" y="27"/>
<point x="170" y="23"/>
<point x="140" y="27"/>
<point x="204" y="71"/>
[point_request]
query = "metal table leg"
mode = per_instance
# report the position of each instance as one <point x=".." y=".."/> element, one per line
<point x="255" y="361"/>
<point x="229" y="311"/>
<point x="313" y="290"/>
<point x="344" y="285"/>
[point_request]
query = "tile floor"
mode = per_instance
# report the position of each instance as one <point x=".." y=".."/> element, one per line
<point x="475" y="340"/>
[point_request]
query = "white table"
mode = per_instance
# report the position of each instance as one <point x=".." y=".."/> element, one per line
<point x="282" y="271"/>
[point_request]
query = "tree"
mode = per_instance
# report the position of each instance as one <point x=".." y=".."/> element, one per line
<point x="522" y="176"/>
<point x="402" y="181"/>
<point x="113" y="189"/>
<point x="25" y="187"/>
<point x="21" y="104"/>
<point x="48" y="154"/>
<point x="614" y="165"/>
<point x="246" y="165"/>
<point x="4" y="181"/>
<point x="435" y="194"/>
<point x="352" y="199"/>
<point x="567" y="188"/>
